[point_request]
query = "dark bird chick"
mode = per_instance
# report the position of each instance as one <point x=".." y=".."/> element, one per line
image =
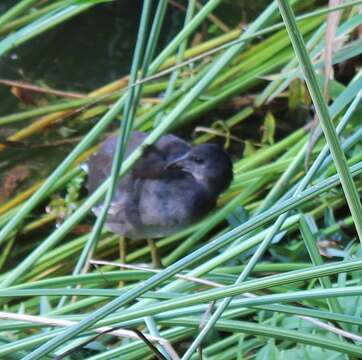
<point x="171" y="186"/>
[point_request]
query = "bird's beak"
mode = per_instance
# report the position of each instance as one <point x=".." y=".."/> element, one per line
<point x="178" y="163"/>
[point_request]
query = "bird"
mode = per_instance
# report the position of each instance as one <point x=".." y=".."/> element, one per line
<point x="172" y="186"/>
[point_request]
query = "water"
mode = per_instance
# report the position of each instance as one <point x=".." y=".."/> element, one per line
<point x="96" y="47"/>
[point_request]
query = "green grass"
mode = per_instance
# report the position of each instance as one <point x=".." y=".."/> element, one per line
<point x="270" y="232"/>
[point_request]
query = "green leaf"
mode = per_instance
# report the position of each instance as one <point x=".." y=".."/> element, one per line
<point x="249" y="149"/>
<point x="269" y="129"/>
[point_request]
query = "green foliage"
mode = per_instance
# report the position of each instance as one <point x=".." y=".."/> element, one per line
<point x="283" y="272"/>
<point x="269" y="129"/>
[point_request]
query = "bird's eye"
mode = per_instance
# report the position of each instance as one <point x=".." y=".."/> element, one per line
<point x="198" y="160"/>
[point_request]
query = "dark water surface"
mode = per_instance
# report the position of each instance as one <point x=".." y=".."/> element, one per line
<point x="96" y="46"/>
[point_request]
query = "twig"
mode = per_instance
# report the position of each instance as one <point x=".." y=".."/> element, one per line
<point x="101" y="330"/>
<point x="332" y="328"/>
<point x="214" y="19"/>
<point x="38" y="89"/>
<point x="142" y="268"/>
<point x="63" y="323"/>
<point x="203" y="321"/>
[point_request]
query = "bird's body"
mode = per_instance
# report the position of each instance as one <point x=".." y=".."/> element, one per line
<point x="161" y="194"/>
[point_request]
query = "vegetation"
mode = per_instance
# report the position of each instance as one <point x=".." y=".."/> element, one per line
<point x="273" y="273"/>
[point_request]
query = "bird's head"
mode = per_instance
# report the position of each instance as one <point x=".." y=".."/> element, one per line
<point x="209" y="164"/>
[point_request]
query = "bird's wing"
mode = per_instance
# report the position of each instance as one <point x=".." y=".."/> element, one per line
<point x="150" y="166"/>
<point x="99" y="164"/>
<point x="156" y="156"/>
<point x="136" y="140"/>
<point x="172" y="146"/>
